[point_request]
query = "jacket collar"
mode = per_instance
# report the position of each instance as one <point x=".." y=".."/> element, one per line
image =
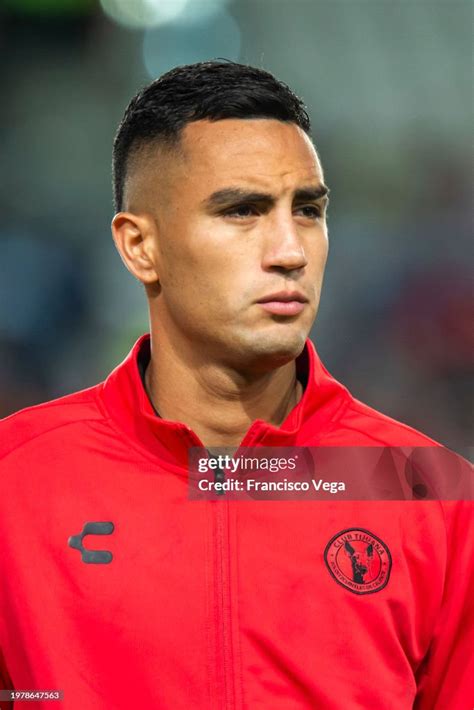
<point x="127" y="403"/>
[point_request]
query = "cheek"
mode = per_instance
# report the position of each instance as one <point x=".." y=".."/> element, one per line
<point x="323" y="256"/>
<point x="316" y="244"/>
<point x="317" y="258"/>
<point x="203" y="261"/>
<point x="323" y="247"/>
<point x="194" y="284"/>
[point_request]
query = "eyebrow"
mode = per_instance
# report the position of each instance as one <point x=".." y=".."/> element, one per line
<point x="233" y="195"/>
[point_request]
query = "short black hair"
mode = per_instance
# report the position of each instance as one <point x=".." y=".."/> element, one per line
<point x="212" y="90"/>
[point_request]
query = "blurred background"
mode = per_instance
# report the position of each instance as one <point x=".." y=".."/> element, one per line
<point x="388" y="84"/>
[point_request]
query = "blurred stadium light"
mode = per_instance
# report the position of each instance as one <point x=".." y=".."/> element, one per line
<point x="142" y="13"/>
<point x="152" y="13"/>
<point x="190" y="40"/>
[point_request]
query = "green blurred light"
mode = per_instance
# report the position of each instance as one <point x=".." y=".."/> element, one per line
<point x="143" y="13"/>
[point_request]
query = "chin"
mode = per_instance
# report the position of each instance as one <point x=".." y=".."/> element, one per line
<point x="267" y="351"/>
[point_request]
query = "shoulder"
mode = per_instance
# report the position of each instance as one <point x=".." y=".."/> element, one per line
<point x="34" y="422"/>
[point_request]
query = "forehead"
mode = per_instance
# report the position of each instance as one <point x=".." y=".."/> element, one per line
<point x="260" y="151"/>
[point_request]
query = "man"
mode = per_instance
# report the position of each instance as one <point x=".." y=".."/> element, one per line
<point x="119" y="590"/>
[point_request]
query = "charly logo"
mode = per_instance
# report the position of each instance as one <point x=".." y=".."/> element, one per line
<point x="358" y="560"/>
<point x="97" y="557"/>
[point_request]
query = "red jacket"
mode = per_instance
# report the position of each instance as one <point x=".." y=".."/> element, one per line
<point x="220" y="604"/>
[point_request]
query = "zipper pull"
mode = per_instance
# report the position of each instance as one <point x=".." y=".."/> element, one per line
<point x="219" y="476"/>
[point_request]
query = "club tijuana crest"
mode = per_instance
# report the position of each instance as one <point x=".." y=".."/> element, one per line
<point x="358" y="560"/>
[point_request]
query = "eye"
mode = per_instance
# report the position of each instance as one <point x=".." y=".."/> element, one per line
<point x="241" y="211"/>
<point x="310" y="211"/>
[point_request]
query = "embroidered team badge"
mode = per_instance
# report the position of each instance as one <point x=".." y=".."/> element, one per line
<point x="358" y="560"/>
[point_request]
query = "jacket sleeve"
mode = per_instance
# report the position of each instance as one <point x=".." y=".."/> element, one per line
<point x="446" y="676"/>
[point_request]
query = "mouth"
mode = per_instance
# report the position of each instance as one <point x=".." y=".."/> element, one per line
<point x="284" y="303"/>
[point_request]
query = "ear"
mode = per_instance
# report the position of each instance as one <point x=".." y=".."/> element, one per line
<point x="348" y="548"/>
<point x="135" y="237"/>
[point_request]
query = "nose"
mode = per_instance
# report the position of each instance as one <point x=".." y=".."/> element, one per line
<point x="284" y="249"/>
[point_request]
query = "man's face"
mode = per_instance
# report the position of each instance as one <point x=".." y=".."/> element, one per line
<point x="241" y="221"/>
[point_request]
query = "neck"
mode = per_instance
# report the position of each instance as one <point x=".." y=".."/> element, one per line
<point x="217" y="402"/>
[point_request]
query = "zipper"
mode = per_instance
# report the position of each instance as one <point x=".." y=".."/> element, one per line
<point x="219" y="477"/>
<point x="224" y="650"/>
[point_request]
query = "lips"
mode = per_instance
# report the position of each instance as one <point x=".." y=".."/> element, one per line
<point x="284" y="303"/>
<point x="284" y="297"/>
